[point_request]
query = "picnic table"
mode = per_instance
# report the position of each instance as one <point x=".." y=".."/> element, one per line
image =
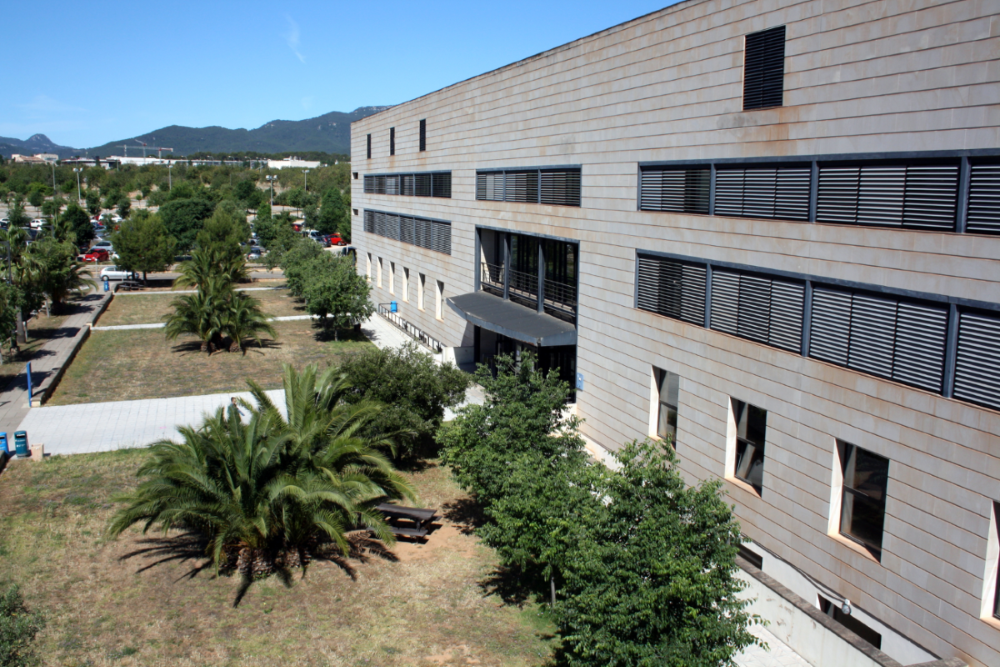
<point x="417" y="520"/>
<point x="129" y="285"/>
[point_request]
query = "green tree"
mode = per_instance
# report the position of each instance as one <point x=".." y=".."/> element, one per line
<point x="36" y="196"/>
<point x="93" y="199"/>
<point x="414" y="389"/>
<point x="53" y="267"/>
<point x="18" y="628"/>
<point x="112" y="198"/>
<point x="337" y="295"/>
<point x="300" y="264"/>
<point x="10" y="299"/>
<point x="76" y="220"/>
<point x="143" y="244"/>
<point x="268" y="493"/>
<point x="656" y="583"/>
<point x="124" y="206"/>
<point x="334" y="214"/>
<point x="184" y="218"/>
<point x="223" y="233"/>
<point x="15" y="215"/>
<point x="245" y="321"/>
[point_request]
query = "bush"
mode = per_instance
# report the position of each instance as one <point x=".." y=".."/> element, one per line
<point x="415" y="390"/>
<point x="18" y="627"/>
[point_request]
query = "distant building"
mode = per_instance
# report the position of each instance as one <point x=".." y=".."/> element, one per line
<point x="28" y="159"/>
<point x="292" y="163"/>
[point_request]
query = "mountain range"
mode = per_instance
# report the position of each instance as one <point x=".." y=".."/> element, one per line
<point x="329" y="133"/>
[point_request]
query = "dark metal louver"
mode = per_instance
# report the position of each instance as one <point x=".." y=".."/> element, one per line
<point x="758" y="308"/>
<point x="370" y="221"/>
<point x="406" y="184"/>
<point x="369" y="184"/>
<point x="977" y="364"/>
<point x="422" y="187"/>
<point x="984" y="199"/>
<point x="441" y="184"/>
<point x="677" y="190"/>
<point x="764" y="69"/>
<point x="892" y="338"/>
<point x="912" y="196"/>
<point x="763" y="192"/>
<point x="422" y="232"/>
<point x="672" y="288"/>
<point x="559" y="187"/>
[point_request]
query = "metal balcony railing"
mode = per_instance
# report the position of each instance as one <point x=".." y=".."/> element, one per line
<point x="560" y="298"/>
<point x="491" y="278"/>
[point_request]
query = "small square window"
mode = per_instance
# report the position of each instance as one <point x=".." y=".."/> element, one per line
<point x="356" y="173"/>
<point x="862" y="508"/>
<point x="751" y="430"/>
<point x="667" y="390"/>
<point x="355" y="211"/>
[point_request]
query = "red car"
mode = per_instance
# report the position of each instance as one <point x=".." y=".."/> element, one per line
<point x="335" y="239"/>
<point x="96" y="255"/>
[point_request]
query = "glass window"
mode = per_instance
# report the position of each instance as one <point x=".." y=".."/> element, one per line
<point x="667" y="386"/>
<point x="862" y="510"/>
<point x="751" y="427"/>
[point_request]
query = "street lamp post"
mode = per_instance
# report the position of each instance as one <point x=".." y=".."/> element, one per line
<point x="271" y="180"/>
<point x="305" y="177"/>
<point x="77" y="170"/>
<point x="53" y="178"/>
<point x="170" y="179"/>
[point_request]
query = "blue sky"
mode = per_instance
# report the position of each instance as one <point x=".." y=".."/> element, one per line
<point x="88" y="73"/>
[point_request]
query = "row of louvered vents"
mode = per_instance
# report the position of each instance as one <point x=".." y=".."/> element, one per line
<point x="558" y="187"/>
<point x="916" y="196"/>
<point x="422" y="232"/>
<point x="428" y="184"/>
<point x="894" y="338"/>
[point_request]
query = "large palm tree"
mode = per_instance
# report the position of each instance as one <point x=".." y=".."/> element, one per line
<point x="208" y="264"/>
<point x="244" y="321"/>
<point x="201" y="315"/>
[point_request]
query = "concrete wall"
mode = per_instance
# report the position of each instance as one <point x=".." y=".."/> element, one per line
<point x="861" y="76"/>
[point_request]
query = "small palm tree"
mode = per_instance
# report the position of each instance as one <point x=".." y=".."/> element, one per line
<point x="244" y="320"/>
<point x="198" y="315"/>
<point x="207" y="265"/>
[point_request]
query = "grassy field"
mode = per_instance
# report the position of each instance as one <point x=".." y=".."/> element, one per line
<point x="147" y="308"/>
<point x="151" y="601"/>
<point x="142" y="363"/>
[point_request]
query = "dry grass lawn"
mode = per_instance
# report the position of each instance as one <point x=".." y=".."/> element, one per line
<point x="149" y="308"/>
<point x="111" y="603"/>
<point x="142" y="363"/>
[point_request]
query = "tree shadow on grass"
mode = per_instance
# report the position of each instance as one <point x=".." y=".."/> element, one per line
<point x="181" y="548"/>
<point x="508" y="583"/>
<point x="324" y="334"/>
<point x="194" y="347"/>
<point x="465" y="513"/>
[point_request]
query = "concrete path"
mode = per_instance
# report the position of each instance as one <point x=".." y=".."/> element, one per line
<point x="47" y="361"/>
<point x="194" y="291"/>
<point x="160" y="325"/>
<point x="778" y="655"/>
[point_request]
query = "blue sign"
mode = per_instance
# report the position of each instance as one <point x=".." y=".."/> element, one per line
<point x="579" y="381"/>
<point x="29" y="384"/>
<point x="392" y="307"/>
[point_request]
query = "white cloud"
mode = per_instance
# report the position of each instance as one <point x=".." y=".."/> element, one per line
<point x="292" y="38"/>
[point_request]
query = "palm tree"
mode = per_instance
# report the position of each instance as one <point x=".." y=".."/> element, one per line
<point x="244" y="320"/>
<point x="207" y="264"/>
<point x="200" y="315"/>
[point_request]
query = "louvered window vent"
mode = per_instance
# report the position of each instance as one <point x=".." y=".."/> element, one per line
<point x="557" y="187"/>
<point x="422" y="232"/>
<point x="764" y="69"/>
<point x="427" y="184"/>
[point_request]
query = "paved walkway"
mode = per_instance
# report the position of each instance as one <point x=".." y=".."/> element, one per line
<point x="778" y="655"/>
<point x="46" y="362"/>
<point x="160" y="325"/>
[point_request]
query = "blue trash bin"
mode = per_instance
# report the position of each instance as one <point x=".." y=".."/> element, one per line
<point x="4" y="447"/>
<point x="21" y="444"/>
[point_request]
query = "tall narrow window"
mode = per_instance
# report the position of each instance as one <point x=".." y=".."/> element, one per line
<point x="406" y="284"/>
<point x="392" y="278"/>
<point x="764" y="69"/>
<point x="392" y="141"/>
<point x="667" y="389"/>
<point x="421" y="280"/>
<point x="378" y="274"/>
<point x="368" y="268"/>
<point x="751" y="429"/>
<point x="862" y="509"/>
<point x="369" y="147"/>
<point x="991" y="577"/>
<point x="439" y="301"/>
<point x="423" y="134"/>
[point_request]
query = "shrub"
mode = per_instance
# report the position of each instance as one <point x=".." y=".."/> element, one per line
<point x="18" y="627"/>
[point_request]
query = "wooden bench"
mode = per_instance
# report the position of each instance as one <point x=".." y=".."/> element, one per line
<point x="419" y="519"/>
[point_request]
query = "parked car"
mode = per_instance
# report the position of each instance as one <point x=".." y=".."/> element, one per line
<point x="105" y="245"/>
<point x="256" y="252"/>
<point x="97" y="255"/>
<point x="115" y="273"/>
<point x="335" y="239"/>
<point x="37" y="223"/>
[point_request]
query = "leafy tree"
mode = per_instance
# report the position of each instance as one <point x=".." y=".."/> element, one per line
<point x="10" y="299"/>
<point x="184" y="218"/>
<point x="15" y="215"/>
<point x="298" y="264"/>
<point x="223" y="233"/>
<point x="93" y="202"/>
<point x="656" y="583"/>
<point x="51" y="207"/>
<point x="124" y="206"/>
<point x="244" y="189"/>
<point x="268" y="493"/>
<point x="143" y="244"/>
<point x="75" y="220"/>
<point x="36" y="196"/>
<point x="18" y="628"/>
<point x="337" y="294"/>
<point x="334" y="214"/>
<point x="53" y="267"/>
<point x="112" y="198"/>
<point x="413" y="387"/>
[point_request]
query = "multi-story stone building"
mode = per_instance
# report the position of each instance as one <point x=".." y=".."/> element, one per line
<point x="767" y="229"/>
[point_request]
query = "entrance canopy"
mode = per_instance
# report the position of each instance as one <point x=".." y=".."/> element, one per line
<point x="512" y="320"/>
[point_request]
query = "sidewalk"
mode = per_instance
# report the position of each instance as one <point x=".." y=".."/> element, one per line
<point x="48" y="361"/>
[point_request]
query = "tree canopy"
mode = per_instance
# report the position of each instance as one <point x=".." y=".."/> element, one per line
<point x="184" y="219"/>
<point x="143" y="244"/>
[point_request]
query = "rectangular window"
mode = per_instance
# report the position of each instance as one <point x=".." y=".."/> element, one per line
<point x="834" y="611"/>
<point x="368" y="267"/>
<point x="906" y="196"/>
<point x="977" y="363"/>
<point x="556" y="187"/>
<point x="862" y="509"/>
<point x="751" y="429"/>
<point x="758" y="308"/>
<point x="421" y="283"/>
<point x="392" y="141"/>
<point x="423" y="134"/>
<point x="667" y="389"/>
<point x="439" y="300"/>
<point x="672" y="288"/>
<point x="429" y="184"/>
<point x="763" y="192"/>
<point x="369" y="147"/>
<point x="984" y="199"/>
<point x="885" y="336"/>
<point x="406" y="284"/>
<point x="764" y="69"/>
<point x="392" y="278"/>
<point x="422" y="232"/>
<point x="678" y="190"/>
<point x="355" y="175"/>
<point x="378" y="275"/>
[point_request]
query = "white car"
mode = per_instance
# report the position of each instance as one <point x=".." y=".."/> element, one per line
<point x="114" y="273"/>
<point x="37" y="223"/>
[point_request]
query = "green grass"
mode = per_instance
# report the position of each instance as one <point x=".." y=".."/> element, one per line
<point x="104" y="608"/>
<point x="153" y="307"/>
